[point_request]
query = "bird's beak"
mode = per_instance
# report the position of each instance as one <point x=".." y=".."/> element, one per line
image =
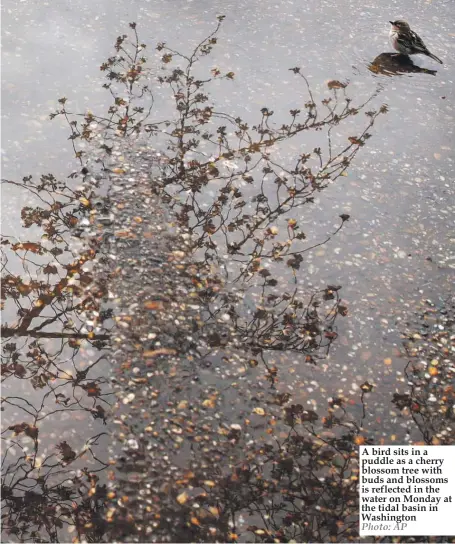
<point x="391" y="22"/>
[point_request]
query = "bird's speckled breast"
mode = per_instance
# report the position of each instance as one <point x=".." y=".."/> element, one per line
<point x="393" y="37"/>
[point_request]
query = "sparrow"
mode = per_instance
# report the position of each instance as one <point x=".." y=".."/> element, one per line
<point x="406" y="41"/>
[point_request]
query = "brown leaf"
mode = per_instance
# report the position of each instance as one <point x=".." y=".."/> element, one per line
<point x="50" y="269"/>
<point x="99" y="412"/>
<point x="66" y="452"/>
<point x="335" y="84"/>
<point x="343" y="310"/>
<point x="19" y="370"/>
<point x="214" y="510"/>
<point x="18" y="428"/>
<point x="182" y="498"/>
<point x="28" y="246"/>
<point x="124" y="234"/>
<point x="92" y="389"/>
<point x="31" y="431"/>
<point x="154" y="305"/>
<point x="355" y="140"/>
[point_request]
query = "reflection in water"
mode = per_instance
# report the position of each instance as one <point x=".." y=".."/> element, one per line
<point x="55" y="399"/>
<point x="221" y="438"/>
<point x="430" y="398"/>
<point x="232" y="446"/>
<point x="395" y="64"/>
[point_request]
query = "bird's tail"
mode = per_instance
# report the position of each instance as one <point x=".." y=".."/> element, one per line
<point x="434" y="57"/>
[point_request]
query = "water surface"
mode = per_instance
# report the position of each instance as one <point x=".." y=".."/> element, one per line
<point x="393" y="258"/>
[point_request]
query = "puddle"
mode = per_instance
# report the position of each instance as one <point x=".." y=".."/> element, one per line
<point x="204" y="322"/>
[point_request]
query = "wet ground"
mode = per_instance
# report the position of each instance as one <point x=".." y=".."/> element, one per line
<point x="204" y="335"/>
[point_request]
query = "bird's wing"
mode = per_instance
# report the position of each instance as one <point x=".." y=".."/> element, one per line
<point x="417" y="42"/>
<point x="404" y="39"/>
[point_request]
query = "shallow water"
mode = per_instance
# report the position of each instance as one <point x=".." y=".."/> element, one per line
<point x="394" y="257"/>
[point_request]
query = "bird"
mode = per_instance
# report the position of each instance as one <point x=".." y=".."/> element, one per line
<point x="406" y="41"/>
